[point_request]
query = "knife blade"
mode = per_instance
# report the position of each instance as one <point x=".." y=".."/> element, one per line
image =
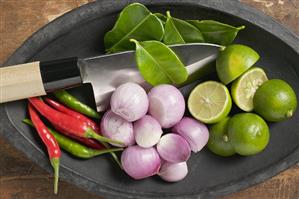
<point x="105" y="73"/>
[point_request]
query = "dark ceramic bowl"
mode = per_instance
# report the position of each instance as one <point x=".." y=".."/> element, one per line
<point x="80" y="33"/>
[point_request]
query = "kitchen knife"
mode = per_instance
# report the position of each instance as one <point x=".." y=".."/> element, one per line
<point x="105" y="73"/>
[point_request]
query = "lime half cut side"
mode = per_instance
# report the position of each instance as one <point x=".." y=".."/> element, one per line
<point x="244" y="88"/>
<point x="209" y="102"/>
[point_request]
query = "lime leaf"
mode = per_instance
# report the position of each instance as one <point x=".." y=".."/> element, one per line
<point x="178" y="31"/>
<point x="134" y="21"/>
<point x="158" y="64"/>
<point x="216" y="32"/>
<point x="162" y="17"/>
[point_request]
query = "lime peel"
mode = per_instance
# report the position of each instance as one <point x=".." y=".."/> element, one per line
<point x="234" y="60"/>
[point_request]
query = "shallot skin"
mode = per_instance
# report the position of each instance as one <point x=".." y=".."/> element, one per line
<point x="195" y="132"/>
<point x="147" y="131"/>
<point x="173" y="172"/>
<point x="115" y="127"/>
<point x="166" y="104"/>
<point x="140" y="162"/>
<point x="173" y="148"/>
<point x="129" y="101"/>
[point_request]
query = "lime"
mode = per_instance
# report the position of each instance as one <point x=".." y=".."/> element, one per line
<point x="243" y="89"/>
<point x="209" y="102"/>
<point x="275" y="100"/>
<point x="219" y="142"/>
<point x="233" y="61"/>
<point x="249" y="133"/>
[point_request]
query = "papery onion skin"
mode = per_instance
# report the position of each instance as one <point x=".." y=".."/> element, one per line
<point x="173" y="148"/>
<point x="195" y="132"/>
<point x="129" y="101"/>
<point x="140" y="162"/>
<point x="115" y="127"/>
<point x="166" y="104"/>
<point x="147" y="131"/>
<point x="173" y="172"/>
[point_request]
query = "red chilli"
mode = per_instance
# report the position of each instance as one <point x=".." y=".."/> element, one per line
<point x="73" y="113"/>
<point x="50" y="142"/>
<point x="86" y="141"/>
<point x="68" y="123"/>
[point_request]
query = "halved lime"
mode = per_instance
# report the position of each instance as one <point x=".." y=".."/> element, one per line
<point x="243" y="89"/>
<point x="209" y="102"/>
<point x="233" y="61"/>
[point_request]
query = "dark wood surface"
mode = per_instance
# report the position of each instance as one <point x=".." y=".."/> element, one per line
<point x="20" y="178"/>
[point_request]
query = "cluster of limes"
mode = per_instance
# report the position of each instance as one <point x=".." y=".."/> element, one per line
<point x="244" y="133"/>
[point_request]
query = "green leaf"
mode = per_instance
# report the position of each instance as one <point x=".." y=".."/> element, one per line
<point x="135" y="21"/>
<point x="216" y="32"/>
<point x="178" y="31"/>
<point x="162" y="17"/>
<point x="158" y="64"/>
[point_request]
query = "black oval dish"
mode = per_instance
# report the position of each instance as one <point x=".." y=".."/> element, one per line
<point x="80" y="32"/>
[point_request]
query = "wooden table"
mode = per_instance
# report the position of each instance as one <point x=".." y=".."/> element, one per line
<point x="21" y="178"/>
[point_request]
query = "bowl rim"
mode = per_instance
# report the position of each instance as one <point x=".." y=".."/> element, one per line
<point x="89" y="11"/>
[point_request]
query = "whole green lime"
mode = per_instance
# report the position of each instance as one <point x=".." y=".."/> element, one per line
<point x="219" y="142"/>
<point x="275" y="100"/>
<point x="233" y="61"/>
<point x="249" y="133"/>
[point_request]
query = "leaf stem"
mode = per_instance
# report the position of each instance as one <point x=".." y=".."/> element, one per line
<point x="241" y="27"/>
<point x="134" y="41"/>
<point x="168" y="14"/>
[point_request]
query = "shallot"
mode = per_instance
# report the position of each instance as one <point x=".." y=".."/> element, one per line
<point x="195" y="132"/>
<point x="115" y="127"/>
<point x="140" y="162"/>
<point x="166" y="104"/>
<point x="173" y="172"/>
<point x="147" y="131"/>
<point x="173" y="148"/>
<point x="129" y="101"/>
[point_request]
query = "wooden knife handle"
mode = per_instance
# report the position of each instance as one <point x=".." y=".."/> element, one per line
<point x="21" y="81"/>
<point x="36" y="78"/>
